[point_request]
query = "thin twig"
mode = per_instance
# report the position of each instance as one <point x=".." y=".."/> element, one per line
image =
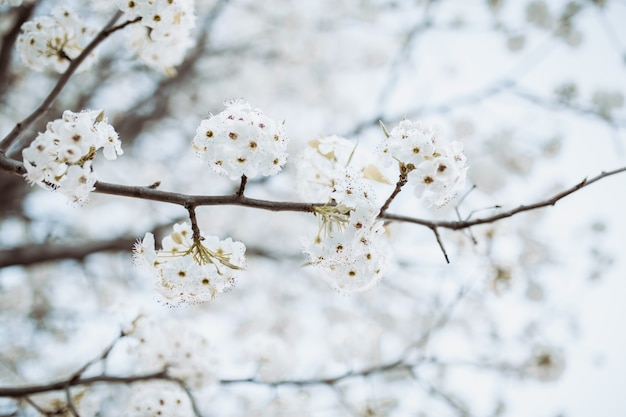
<point x="18" y="392"/>
<point x="458" y="225"/>
<point x="443" y="249"/>
<point x="192" y="400"/>
<point x="100" y="358"/>
<point x="458" y="214"/>
<point x="36" y="406"/>
<point x="242" y="186"/>
<point x="191" y="209"/>
<point x="378" y="369"/>
<point x="70" y="403"/>
<point x="402" y="180"/>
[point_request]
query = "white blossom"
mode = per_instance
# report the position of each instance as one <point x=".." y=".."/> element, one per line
<point x="437" y="171"/>
<point x="52" y="42"/>
<point x="158" y="398"/>
<point x="61" y="157"/>
<point x="317" y="166"/>
<point x="241" y="141"/>
<point x="408" y="143"/>
<point x="191" y="269"/>
<point x="350" y="250"/>
<point x="185" y="353"/>
<point x="352" y="260"/>
<point x="164" y="32"/>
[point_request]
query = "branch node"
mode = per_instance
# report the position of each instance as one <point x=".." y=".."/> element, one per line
<point x="242" y="186"/>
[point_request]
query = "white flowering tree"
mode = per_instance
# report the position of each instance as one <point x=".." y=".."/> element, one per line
<point x="378" y="241"/>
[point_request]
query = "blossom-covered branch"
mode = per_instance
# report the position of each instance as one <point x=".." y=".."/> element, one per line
<point x="12" y="136"/>
<point x="148" y="193"/>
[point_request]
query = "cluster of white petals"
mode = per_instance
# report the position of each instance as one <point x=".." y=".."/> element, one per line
<point x="185" y="353"/>
<point x="191" y="269"/>
<point x="350" y="250"/>
<point x="317" y="166"/>
<point x="52" y="42"/>
<point x="241" y="140"/>
<point x="61" y="157"/>
<point x="163" y="34"/>
<point x="158" y="398"/>
<point x="546" y="363"/>
<point x="437" y="171"/>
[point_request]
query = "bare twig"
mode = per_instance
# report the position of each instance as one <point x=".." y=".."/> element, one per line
<point x="100" y="358"/>
<point x="378" y="369"/>
<point x="443" y="249"/>
<point x="17" y="392"/>
<point x="402" y="180"/>
<point x="70" y="403"/>
<point x="192" y="400"/>
<point x="242" y="186"/>
<point x="458" y="225"/>
<point x="191" y="209"/>
<point x="458" y="214"/>
<point x="36" y="406"/>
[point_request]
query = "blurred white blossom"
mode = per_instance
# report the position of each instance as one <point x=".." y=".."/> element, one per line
<point x="52" y="42"/>
<point x="165" y="31"/>
<point x="545" y="364"/>
<point x="171" y="345"/>
<point x="158" y="398"/>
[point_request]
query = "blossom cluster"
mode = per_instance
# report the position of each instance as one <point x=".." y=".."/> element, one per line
<point x="185" y="353"/>
<point x="241" y="140"/>
<point x="52" y="42"/>
<point x="436" y="171"/>
<point x="191" y="269"/>
<point x="62" y="156"/>
<point x="158" y="398"/>
<point x="164" y="33"/>
<point x="350" y="248"/>
<point x="546" y="363"/>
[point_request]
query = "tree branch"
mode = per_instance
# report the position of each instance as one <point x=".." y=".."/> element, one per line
<point x="16" y="392"/>
<point x="44" y="252"/>
<point x="440" y="243"/>
<point x="402" y="180"/>
<point x="458" y="225"/>
<point x="185" y="200"/>
<point x="378" y="369"/>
